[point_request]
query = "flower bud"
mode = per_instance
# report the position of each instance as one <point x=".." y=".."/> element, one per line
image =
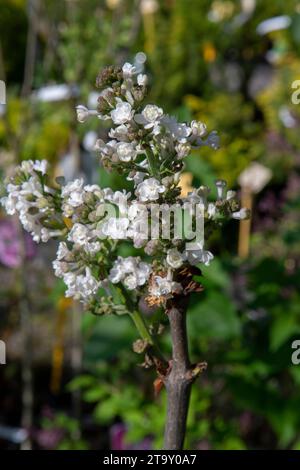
<point x="221" y="185"/>
<point x="82" y="113"/>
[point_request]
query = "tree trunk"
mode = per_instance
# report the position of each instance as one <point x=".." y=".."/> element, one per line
<point x="178" y="382"/>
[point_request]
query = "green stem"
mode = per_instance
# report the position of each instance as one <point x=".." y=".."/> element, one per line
<point x="154" y="350"/>
<point x="151" y="161"/>
<point x="141" y="326"/>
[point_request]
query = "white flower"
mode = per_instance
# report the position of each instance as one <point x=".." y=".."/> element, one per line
<point x="128" y="70"/>
<point x="73" y="192"/>
<point x="86" y="285"/>
<point x="130" y="271"/>
<point x="131" y="281"/>
<point x="221" y="186"/>
<point x="82" y="113"/>
<point x="178" y="130"/>
<point x="119" y="199"/>
<point x="95" y="189"/>
<point x="10" y="203"/>
<point x="138" y="276"/>
<point x="198" y="128"/>
<point x="27" y="166"/>
<point x="136" y="210"/>
<point x="116" y="228"/>
<point x="152" y="113"/>
<point x="13" y="189"/>
<point x="119" y="133"/>
<point x="198" y="255"/>
<point x="129" y="264"/>
<point x="126" y="151"/>
<point x="143" y="273"/>
<point x="142" y="79"/>
<point x="40" y="166"/>
<point x="149" y="190"/>
<point x="211" y="210"/>
<point x="116" y="273"/>
<point x="122" y="113"/>
<point x="138" y="230"/>
<point x="70" y="281"/>
<point x="136" y="176"/>
<point x="150" y="116"/>
<point x="82" y="286"/>
<point x="183" y="149"/>
<point x="241" y="214"/>
<point x="138" y="227"/>
<point x="79" y="234"/>
<point x="107" y="150"/>
<point x="32" y="187"/>
<point x="60" y="268"/>
<point x="62" y="251"/>
<point x="174" y="258"/>
<point x="92" y="247"/>
<point x="43" y="234"/>
<point x="163" y="286"/>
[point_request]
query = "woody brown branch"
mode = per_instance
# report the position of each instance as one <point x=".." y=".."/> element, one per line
<point x="179" y="380"/>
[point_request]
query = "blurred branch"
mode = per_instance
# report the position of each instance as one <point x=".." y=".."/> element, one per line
<point x="245" y="225"/>
<point x="33" y="14"/>
<point x="2" y="68"/>
<point x="119" y="12"/>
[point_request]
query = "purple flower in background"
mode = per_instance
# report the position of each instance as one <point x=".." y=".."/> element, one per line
<point x="10" y="248"/>
<point x="268" y="211"/>
<point x="117" y="439"/>
<point x="117" y="435"/>
<point x="49" y="438"/>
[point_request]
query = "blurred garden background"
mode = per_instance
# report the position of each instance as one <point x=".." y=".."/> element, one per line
<point x="72" y="380"/>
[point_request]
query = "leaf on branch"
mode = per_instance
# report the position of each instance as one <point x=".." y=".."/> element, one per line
<point x="157" y="385"/>
<point x="196" y="370"/>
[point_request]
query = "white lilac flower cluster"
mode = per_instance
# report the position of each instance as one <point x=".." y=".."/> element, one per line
<point x="72" y="267"/>
<point x="148" y="147"/>
<point x="131" y="271"/>
<point x="143" y="139"/>
<point x="78" y="198"/>
<point x="30" y="198"/>
<point x="86" y="207"/>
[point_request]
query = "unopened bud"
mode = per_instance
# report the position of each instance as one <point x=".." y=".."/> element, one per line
<point x="221" y="185"/>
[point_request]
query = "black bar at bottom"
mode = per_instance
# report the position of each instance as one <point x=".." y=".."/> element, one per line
<point x="89" y="460"/>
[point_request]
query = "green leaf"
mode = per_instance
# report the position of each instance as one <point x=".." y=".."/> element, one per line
<point x="83" y="381"/>
<point x="214" y="317"/>
<point x="284" y="326"/>
<point x="94" y="394"/>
